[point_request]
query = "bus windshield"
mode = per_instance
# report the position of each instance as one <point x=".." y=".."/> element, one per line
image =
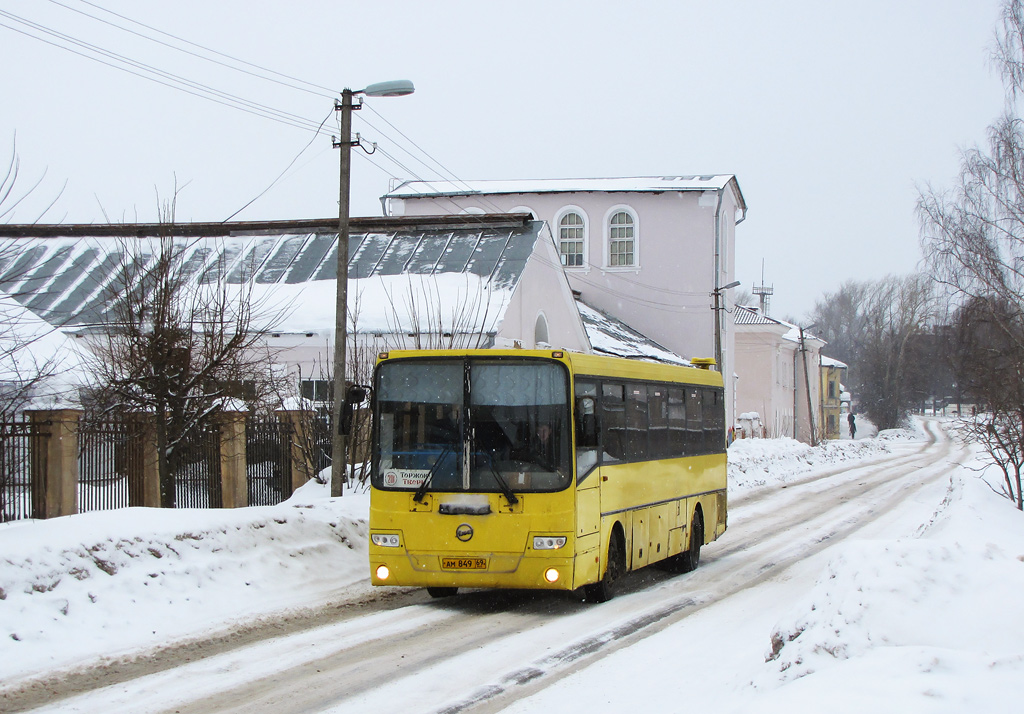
<point x="472" y="425"/>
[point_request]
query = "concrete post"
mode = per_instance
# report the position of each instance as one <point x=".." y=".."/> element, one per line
<point x="144" y="477"/>
<point x="56" y="462"/>
<point x="233" y="478"/>
<point x="303" y="468"/>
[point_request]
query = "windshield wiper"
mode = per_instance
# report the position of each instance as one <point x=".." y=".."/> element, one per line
<point x="502" y="483"/>
<point x="422" y="490"/>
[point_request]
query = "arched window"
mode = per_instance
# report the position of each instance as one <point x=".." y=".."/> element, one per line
<point x="621" y="240"/>
<point x="571" y="237"/>
<point x="540" y="330"/>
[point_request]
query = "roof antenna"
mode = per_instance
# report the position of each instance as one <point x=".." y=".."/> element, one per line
<point x="763" y="292"/>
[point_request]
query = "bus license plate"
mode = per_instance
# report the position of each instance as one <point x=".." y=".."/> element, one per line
<point x="464" y="563"/>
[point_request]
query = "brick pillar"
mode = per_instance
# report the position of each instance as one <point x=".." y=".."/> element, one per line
<point x="144" y="471"/>
<point x="55" y="475"/>
<point x="303" y="468"/>
<point x="233" y="479"/>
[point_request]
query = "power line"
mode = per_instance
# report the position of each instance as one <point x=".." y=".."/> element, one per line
<point x="280" y="175"/>
<point x="198" y="89"/>
<point x="330" y="92"/>
<point x="159" y="76"/>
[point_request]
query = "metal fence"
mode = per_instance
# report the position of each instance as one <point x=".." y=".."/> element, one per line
<point x="21" y="457"/>
<point x="196" y="468"/>
<point x="110" y="462"/>
<point x="268" y="457"/>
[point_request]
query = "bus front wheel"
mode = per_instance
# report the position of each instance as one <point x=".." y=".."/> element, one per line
<point x="604" y="589"/>
<point x="442" y="592"/>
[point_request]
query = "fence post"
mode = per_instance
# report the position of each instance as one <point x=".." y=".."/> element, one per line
<point x="233" y="478"/>
<point x="144" y="486"/>
<point x="303" y="468"/>
<point x="55" y="475"/>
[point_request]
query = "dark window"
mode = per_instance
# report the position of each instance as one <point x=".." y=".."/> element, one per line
<point x="316" y="390"/>
<point x="677" y="421"/>
<point x="657" y="404"/>
<point x="587" y="442"/>
<point x="636" y="421"/>
<point x="714" y="420"/>
<point x="694" y="421"/>
<point x="613" y="421"/>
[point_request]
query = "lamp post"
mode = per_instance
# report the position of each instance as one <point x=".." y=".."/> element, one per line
<point x="397" y="88"/>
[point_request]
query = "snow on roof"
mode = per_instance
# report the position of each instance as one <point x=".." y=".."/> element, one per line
<point x="830" y="362"/>
<point x="744" y="315"/>
<point x="68" y="276"/>
<point x="640" y="184"/>
<point x="33" y="347"/>
<point x="612" y="337"/>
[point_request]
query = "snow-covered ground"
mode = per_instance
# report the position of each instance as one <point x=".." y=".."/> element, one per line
<point x="918" y="614"/>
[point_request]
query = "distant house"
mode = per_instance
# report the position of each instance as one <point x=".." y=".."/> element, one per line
<point x="650" y="251"/>
<point x="469" y="281"/>
<point x="777" y="366"/>
<point x="832" y="374"/>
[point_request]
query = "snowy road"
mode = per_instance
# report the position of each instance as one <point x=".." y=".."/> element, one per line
<point x="484" y="651"/>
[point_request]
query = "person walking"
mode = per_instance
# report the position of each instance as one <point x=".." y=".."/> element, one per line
<point x="852" y="421"/>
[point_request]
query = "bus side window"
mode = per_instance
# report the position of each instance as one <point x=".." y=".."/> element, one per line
<point x="636" y="422"/>
<point x="714" y="420"/>
<point x="587" y="443"/>
<point x="657" y="402"/>
<point x="676" y="422"/>
<point x="694" y="422"/>
<point x="613" y="421"/>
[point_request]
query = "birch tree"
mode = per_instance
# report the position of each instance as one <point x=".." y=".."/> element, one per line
<point x="973" y="239"/>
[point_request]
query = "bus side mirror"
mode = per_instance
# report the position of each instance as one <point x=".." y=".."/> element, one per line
<point x="586" y="423"/>
<point x="353" y="396"/>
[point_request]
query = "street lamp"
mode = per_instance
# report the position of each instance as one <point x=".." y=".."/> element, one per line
<point x="396" y="88"/>
<point x="717" y="294"/>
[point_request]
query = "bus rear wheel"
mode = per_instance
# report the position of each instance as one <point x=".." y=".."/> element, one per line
<point x="604" y="589"/>
<point x="442" y="592"/>
<point x="690" y="559"/>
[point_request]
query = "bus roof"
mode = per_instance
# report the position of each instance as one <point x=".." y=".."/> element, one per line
<point x="582" y="364"/>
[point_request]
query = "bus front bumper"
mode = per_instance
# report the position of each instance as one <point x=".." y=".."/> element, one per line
<point x="500" y="570"/>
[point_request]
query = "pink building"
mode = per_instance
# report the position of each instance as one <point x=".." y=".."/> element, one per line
<point x="649" y="251"/>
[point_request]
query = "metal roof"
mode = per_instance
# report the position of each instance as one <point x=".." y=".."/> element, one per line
<point x="67" y="274"/>
<point x="640" y="184"/>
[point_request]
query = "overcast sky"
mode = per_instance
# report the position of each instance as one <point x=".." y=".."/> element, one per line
<point x="830" y="114"/>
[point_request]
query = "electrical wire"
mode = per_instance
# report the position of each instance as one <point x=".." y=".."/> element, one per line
<point x="281" y="175"/>
<point x="330" y="93"/>
<point x="167" y="79"/>
<point x="198" y="89"/>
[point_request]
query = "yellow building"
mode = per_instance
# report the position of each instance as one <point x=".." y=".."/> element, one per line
<point x="832" y="373"/>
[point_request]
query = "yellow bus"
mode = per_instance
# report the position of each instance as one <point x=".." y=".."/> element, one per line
<point x="541" y="469"/>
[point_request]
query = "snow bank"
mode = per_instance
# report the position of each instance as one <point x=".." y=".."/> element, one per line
<point x="930" y="623"/>
<point x="100" y="583"/>
<point x="754" y="463"/>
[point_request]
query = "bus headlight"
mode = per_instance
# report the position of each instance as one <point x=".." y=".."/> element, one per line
<point x="551" y="575"/>
<point x="382" y="572"/>
<point x="386" y="540"/>
<point x="548" y="542"/>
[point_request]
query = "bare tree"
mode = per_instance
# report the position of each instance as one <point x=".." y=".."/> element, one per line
<point x="29" y="356"/>
<point x="433" y="322"/>
<point x="838" y="318"/>
<point x="878" y="329"/>
<point x="973" y="238"/>
<point x="897" y="311"/>
<point x="179" y="348"/>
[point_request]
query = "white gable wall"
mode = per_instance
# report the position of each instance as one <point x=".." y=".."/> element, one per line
<point x="543" y="291"/>
<point x="667" y="294"/>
